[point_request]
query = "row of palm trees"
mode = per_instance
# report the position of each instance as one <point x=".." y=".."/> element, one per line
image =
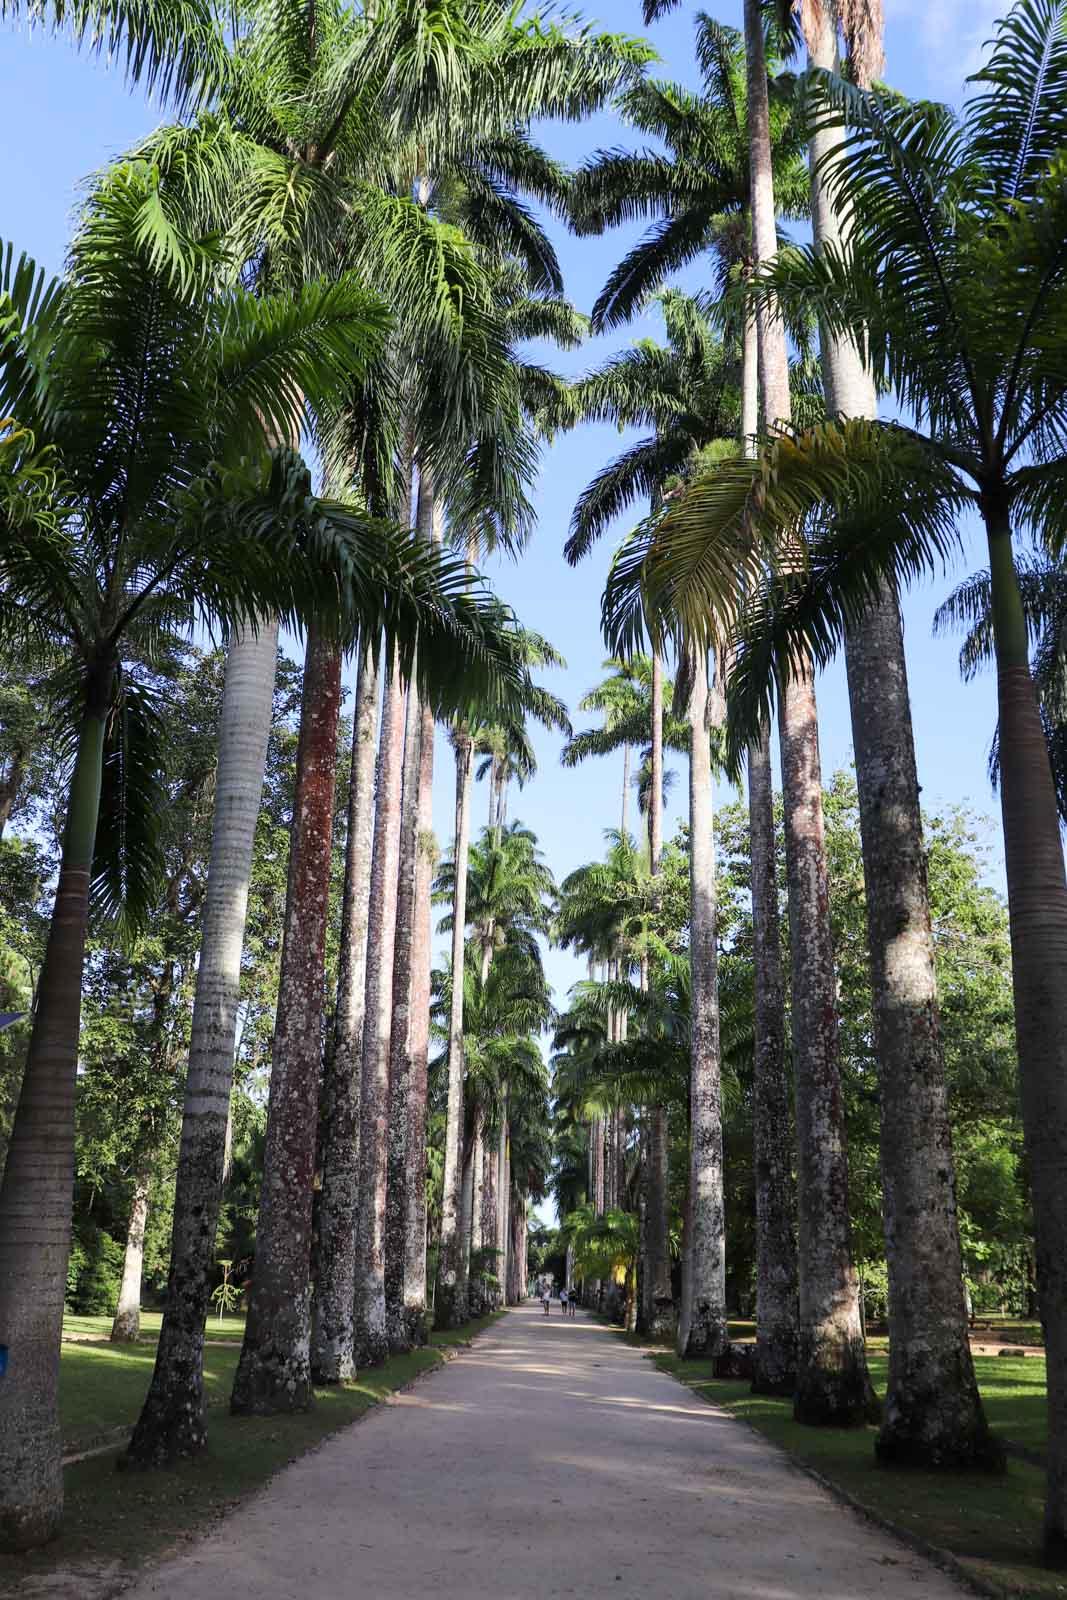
<point x="217" y="307"/>
<point x="793" y="539"/>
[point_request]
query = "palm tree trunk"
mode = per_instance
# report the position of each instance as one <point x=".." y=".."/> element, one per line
<point x="333" y="1309"/>
<point x="933" y="1413"/>
<point x="399" y="1047"/>
<point x="489" y="1217"/>
<point x="503" y="1202"/>
<point x="372" y="1339"/>
<point x="702" y="1324"/>
<point x="274" y="1371"/>
<point x="172" y="1421"/>
<point x="772" y="1131"/>
<point x="833" y="1386"/>
<point x="466" y="1218"/>
<point x="776" y="1255"/>
<point x="451" y="1297"/>
<point x="126" y="1326"/>
<point x="478" y="1166"/>
<point x="1037" y="906"/>
<point x="625" y="789"/>
<point x="418" y="1045"/>
<point x="38" y="1182"/>
<point x="657" y="1220"/>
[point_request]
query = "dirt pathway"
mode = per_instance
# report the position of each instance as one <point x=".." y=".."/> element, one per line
<point x="550" y="1459"/>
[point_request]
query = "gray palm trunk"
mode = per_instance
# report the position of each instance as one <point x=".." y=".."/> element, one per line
<point x="659" y="1298"/>
<point x="451" y="1296"/>
<point x="333" y="1308"/>
<point x="489" y="1211"/>
<point x="400" y="1043"/>
<point x="371" y="1336"/>
<point x="933" y="1414"/>
<point x="774" y="1369"/>
<point x="478" y="1166"/>
<point x="274" y="1370"/>
<point x="430" y="524"/>
<point x="503" y="1200"/>
<point x="702" y="1319"/>
<point x="772" y="1122"/>
<point x="172" y="1421"/>
<point x="418" y="1046"/>
<point x="833" y="1386"/>
<point x="126" y="1326"/>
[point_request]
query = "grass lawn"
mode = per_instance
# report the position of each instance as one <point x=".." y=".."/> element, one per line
<point x="100" y="1327"/>
<point x="990" y="1524"/>
<point x="116" y="1520"/>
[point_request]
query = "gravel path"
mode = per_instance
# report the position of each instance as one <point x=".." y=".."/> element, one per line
<point x="549" y="1459"/>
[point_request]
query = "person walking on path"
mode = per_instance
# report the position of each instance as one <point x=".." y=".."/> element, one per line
<point x="563" y="1300"/>
<point x="546" y="1296"/>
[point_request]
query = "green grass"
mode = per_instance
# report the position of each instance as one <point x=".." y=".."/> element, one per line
<point x="114" y="1521"/>
<point x="100" y="1327"/>
<point x="992" y="1525"/>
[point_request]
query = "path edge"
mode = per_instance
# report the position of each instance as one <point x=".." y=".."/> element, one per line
<point x="938" y="1557"/>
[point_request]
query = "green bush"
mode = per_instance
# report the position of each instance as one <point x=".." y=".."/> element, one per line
<point x="94" y="1275"/>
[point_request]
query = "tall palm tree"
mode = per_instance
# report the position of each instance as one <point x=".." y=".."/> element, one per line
<point x="332" y="1334"/>
<point x="149" y="520"/>
<point x="701" y="196"/>
<point x="696" y="187"/>
<point x="832" y="1381"/>
<point x="702" y="1319"/>
<point x="930" y="1354"/>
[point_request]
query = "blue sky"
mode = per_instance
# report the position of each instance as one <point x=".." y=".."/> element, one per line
<point x="74" y="114"/>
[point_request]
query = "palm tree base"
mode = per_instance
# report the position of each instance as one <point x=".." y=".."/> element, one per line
<point x="271" y="1383"/>
<point x="936" y="1435"/>
<point x="835" y="1391"/>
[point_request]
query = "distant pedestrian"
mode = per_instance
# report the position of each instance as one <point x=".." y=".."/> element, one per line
<point x="563" y="1301"/>
<point x="546" y="1296"/>
<point x="572" y="1303"/>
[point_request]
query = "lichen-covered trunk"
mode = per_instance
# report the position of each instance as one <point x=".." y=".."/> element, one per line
<point x="274" y="1370"/>
<point x="372" y="1336"/>
<point x="333" y="1307"/>
<point x="38" y="1182"/>
<point x="659" y="1297"/>
<point x="400" y="1042"/>
<point x="503" y="1202"/>
<point x="933" y="1414"/>
<point x="172" y="1421"/>
<point x="702" y="1320"/>
<point x="466" y="1218"/>
<point x="478" y="1166"/>
<point x="489" y="1218"/>
<point x="418" y="1046"/>
<point x="451" y="1296"/>
<point x="517" y="1276"/>
<point x="1037" y="906"/>
<point x="126" y="1325"/>
<point x="772" y="1123"/>
<point x="833" y="1386"/>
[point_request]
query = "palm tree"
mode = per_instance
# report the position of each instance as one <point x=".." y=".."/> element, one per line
<point x="832" y="1382"/>
<point x="702" y="1320"/>
<point x="930" y="1351"/>
<point x="989" y="394"/>
<point x="332" y="1333"/>
<point x="147" y="521"/>
<point x="699" y="191"/>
